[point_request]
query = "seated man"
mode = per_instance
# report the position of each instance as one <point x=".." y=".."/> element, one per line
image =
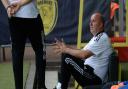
<point x="89" y="65"/>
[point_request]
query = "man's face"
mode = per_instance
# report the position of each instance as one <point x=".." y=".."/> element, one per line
<point x="95" y="24"/>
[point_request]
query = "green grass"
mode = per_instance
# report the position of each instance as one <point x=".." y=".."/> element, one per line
<point x="6" y="75"/>
<point x="26" y="70"/>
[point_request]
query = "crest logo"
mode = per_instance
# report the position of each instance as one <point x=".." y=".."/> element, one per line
<point x="49" y="13"/>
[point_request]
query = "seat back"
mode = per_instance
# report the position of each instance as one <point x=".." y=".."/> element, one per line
<point x="113" y="67"/>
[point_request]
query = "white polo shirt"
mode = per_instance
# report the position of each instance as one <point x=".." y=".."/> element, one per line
<point x="27" y="11"/>
<point x="101" y="47"/>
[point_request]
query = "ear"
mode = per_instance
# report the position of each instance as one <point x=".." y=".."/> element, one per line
<point x="101" y="24"/>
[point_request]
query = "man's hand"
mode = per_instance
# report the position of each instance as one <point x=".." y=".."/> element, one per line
<point x="16" y="6"/>
<point x="60" y="46"/>
<point x="13" y="8"/>
<point x="10" y="11"/>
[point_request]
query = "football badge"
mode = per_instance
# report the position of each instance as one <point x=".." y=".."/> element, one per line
<point x="49" y="13"/>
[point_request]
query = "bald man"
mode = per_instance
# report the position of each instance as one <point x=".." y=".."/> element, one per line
<point x="89" y="65"/>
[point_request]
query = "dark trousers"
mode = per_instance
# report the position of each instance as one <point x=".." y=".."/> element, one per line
<point x="21" y="29"/>
<point x="83" y="74"/>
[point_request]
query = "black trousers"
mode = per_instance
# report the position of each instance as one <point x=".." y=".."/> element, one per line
<point x="21" y="29"/>
<point x="83" y="74"/>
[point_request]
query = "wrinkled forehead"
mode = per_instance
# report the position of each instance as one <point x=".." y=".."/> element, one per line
<point x="96" y="17"/>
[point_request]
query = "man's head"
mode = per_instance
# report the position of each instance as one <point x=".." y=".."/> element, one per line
<point x="96" y="23"/>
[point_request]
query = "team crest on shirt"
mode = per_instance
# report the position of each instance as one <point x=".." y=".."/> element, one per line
<point x="49" y="13"/>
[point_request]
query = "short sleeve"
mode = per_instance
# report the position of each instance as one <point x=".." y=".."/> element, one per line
<point x="97" y="46"/>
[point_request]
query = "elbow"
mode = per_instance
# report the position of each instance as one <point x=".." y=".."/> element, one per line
<point x="82" y="56"/>
<point x="85" y="55"/>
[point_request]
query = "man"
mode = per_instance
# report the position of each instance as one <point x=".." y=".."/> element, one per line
<point x="89" y="65"/>
<point x="25" y="22"/>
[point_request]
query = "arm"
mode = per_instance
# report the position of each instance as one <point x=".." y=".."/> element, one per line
<point x="21" y="3"/>
<point x="24" y="2"/>
<point x="82" y="54"/>
<point x="5" y="3"/>
<point x="17" y="5"/>
<point x="60" y="47"/>
<point x="8" y="8"/>
<point x="13" y="8"/>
